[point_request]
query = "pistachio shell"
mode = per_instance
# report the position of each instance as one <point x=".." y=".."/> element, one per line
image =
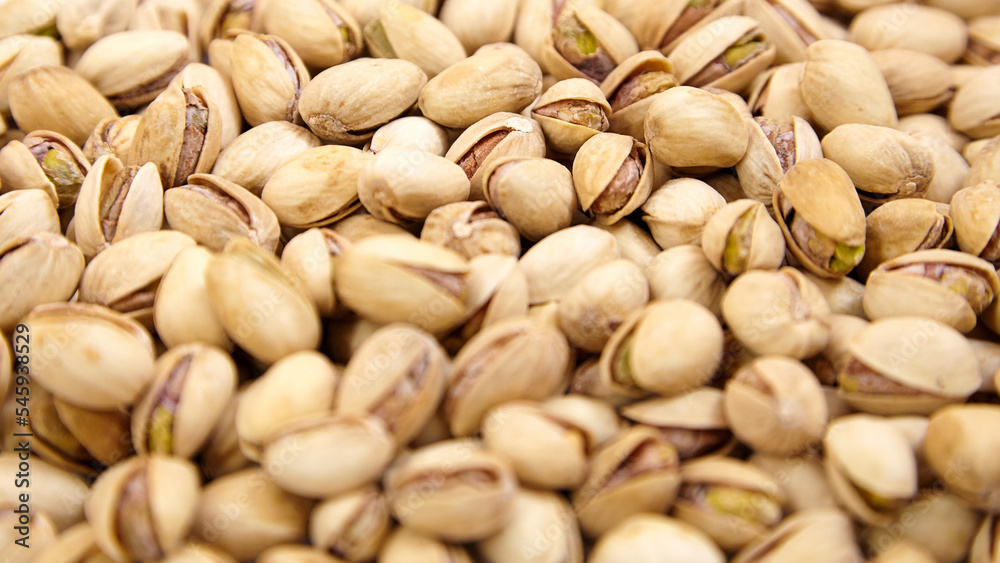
<point x="613" y="176"/>
<point x="791" y="25"/>
<point x="953" y="441"/>
<point x="878" y="28"/>
<point x="115" y="203"/>
<point x="404" y="186"/>
<point x="213" y="210"/>
<point x="601" y="301"/>
<point x="268" y="78"/>
<point x="594" y="40"/>
<point x="74" y="116"/>
<point x="973" y="110"/>
<point x="220" y="91"/>
<point x="47" y="161"/>
<point x="409" y="33"/>
<point x="26" y="212"/>
<point x="480" y="22"/>
<point x="678" y="134"/>
<point x="471" y="229"/>
<point x="684" y="272"/>
<point x="570" y="112"/>
<point x="410" y="132"/>
<point x="644" y="538"/>
<point x="903" y="167"/>
<point x="182" y="311"/>
<point x="903" y="226"/>
<point x="668" y="23"/>
<point x="774" y="146"/>
<point x="976" y="213"/>
<point x="841" y="83"/>
<point x="495" y="136"/>
<point x="351" y="525"/>
<point x="777" y="94"/>
<point x="557" y="262"/>
<point x="132" y="67"/>
<point x="678" y="211"/>
<point x="631" y="87"/>
<point x="323" y="33"/>
<point x="316" y="187"/>
<point x="19" y="53"/>
<point x="254" y="156"/>
<point x="742" y="236"/>
<point x="702" y="59"/>
<point x="34" y="270"/>
<point x="535" y="194"/>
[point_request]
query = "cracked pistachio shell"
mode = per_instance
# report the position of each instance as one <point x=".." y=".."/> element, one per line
<point x="322" y="32"/>
<point x="613" y="176"/>
<point x="780" y="313"/>
<point x="946" y="285"/>
<point x="973" y="110"/>
<point x="312" y="256"/>
<point x="895" y="366"/>
<point x="182" y="311"/>
<point x="412" y="132"/>
<point x="19" y="53"/>
<point x="517" y="358"/>
<point x="570" y="112"/>
<point x="115" y="203"/>
<point x="902" y="168"/>
<point x="406" y="546"/>
<point x="824" y="535"/>
<point x="821" y="216"/>
<point x="642" y="354"/>
<point x="984" y="41"/>
<point x="131" y="68"/>
<point x="597" y="419"/>
<point x="268" y="78"/>
<point x="842" y="83"/>
<point x="316" y="187"/>
<point x="498" y="290"/>
<point x="584" y="41"/>
<point x="398" y="374"/>
<point x="691" y="129"/>
<point x="600" y="302"/>
<point x="918" y="82"/>
<point x="192" y="384"/>
<point x="898" y="26"/>
<point x="975" y="212"/>
<point x="534" y="24"/>
<point x="408" y="33"/>
<point x="496" y="78"/>
<point x="47" y="161"/>
<point x="54" y="98"/>
<point x="954" y="447"/>
<point x="471" y="229"/>
<point x="635" y="472"/>
<point x="791" y="25"/>
<point x="776" y="93"/>
<point x="732" y="501"/>
<point x="269" y="515"/>
<point x="631" y="87"/>
<point x="725" y="53"/>
<point x="223" y="18"/>
<point x="634" y="243"/>
<point x="871" y="467"/>
<point x="684" y="272"/>
<point x="298" y="387"/>
<point x="695" y="422"/>
<point x="647" y="538"/>
<point x="125" y="276"/>
<point x="26" y="212"/>
<point x="404" y="186"/>
<point x="491" y="138"/>
<point x="480" y="22"/>
<point x="254" y="156"/>
<point x="454" y="490"/>
<point x="557" y="262"/>
<point x="904" y="226"/>
<point x="534" y="511"/>
<point x="213" y="211"/>
<point x="677" y="211"/>
<point x="328" y="455"/>
<point x="347" y="103"/>
<point x="399" y="279"/>
<point x="742" y="236"/>
<point x="220" y="91"/>
<point x="775" y="145"/>
<point x="35" y="270"/>
<point x="180" y="132"/>
<point x="352" y="525"/>
<point x="986" y="547"/>
<point x="143" y="508"/>
<point x="535" y="194"/>
<point x="112" y="136"/>
<point x="262" y="307"/>
<point x="776" y="406"/>
<point x="667" y="23"/>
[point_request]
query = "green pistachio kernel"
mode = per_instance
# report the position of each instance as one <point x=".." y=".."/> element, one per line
<point x="846" y="257"/>
<point x="743" y="51"/>
<point x="736" y="257"/>
<point x="621" y="371"/>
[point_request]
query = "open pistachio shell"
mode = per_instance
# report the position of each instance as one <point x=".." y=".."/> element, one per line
<point x="213" y="210"/>
<point x="954" y="440"/>
<point x="26" y="212"/>
<point x="316" y="187"/>
<point x="907" y="225"/>
<point x="600" y="302"/>
<point x="903" y="167"/>
<point x="405" y="545"/>
<point x="695" y="422"/>
<point x="776" y="93"/>
<point x="570" y="112"/>
<point x="694" y="130"/>
<point x="877" y="28"/>
<point x="74" y="116"/>
<point x="47" y="161"/>
<point x="498" y="290"/>
<point x="824" y="535"/>
<point x="684" y="272"/>
<point x="222" y="18"/>
<point x="322" y="32"/>
<point x="115" y="203"/>
<point x="665" y="23"/>
<point x="495" y="136"/>
<point x="312" y="257"/>
<point x="557" y="262"/>
<point x="678" y="211"/>
<point x="984" y="41"/>
<point x="613" y="176"/>
<point x="470" y="228"/>
<point x="586" y="42"/>
<point x="726" y="53"/>
<point x="405" y="32"/>
<point x="254" y="156"/>
<point x="791" y="25"/>
<point x="22" y="52"/>
<point x="775" y="145"/>
<point x="742" y="236"/>
<point x="913" y="90"/>
<point x="352" y="525"/>
<point x="404" y="186"/>
<point x="630" y="89"/>
<point x="975" y="212"/>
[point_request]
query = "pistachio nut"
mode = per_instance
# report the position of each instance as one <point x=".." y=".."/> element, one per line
<point x="949" y="286"/>
<point x="517" y="358"/>
<point x="61" y="497"/>
<point x="296" y="553"/>
<point x="791" y="25"/>
<point x="269" y="516"/>
<point x="779" y="313"/>
<point x="951" y="171"/>
<point x="631" y="87"/>
<point x="104" y="434"/>
<point x="219" y="56"/>
<point x="842" y="83"/>
<point x="347" y="103"/>
<point x="498" y="290"/>
<point x="491" y="138"/>
<point x="352" y="525"/>
<point x="742" y="236"/>
<point x="695" y="422"/>
<point x="915" y="91"/>
<point x="261" y="306"/>
<point x="843" y="295"/>
<point x="220" y="91"/>
<point x="570" y="112"/>
<point x="19" y="53"/>
<point x="904" y="226"/>
<point x="904" y="551"/>
<point x="410" y="132"/>
<point x="953" y="449"/>
<point x="43" y="534"/>
<point x="824" y="534"/>
<point x="180" y="132"/>
<point x="212" y="210"/>
<point x="454" y="490"/>
<point x="535" y="194"/>
<point x="142" y="508"/>
<point x="613" y="176"/>
<point x="405" y="545"/>
<point x="115" y="203"/>
<point x="802" y="480"/>
<point x="775" y="145"/>
<point x="54" y="98"/>
<point x="635" y="472"/>
<point x="933" y="124"/>
<point x="268" y="78"/>
<point x="182" y="311"/>
<point x="821" y="216"/>
<point x="53" y="441"/>
<point x="480" y="22"/>
<point x="223" y="18"/>
<point x="398" y="374"/>
<point x="559" y="261"/>
<point x="696" y="131"/>
<point x="405" y="32"/>
<point x="938" y="522"/>
<point x="584" y="41"/>
<point x="634" y="243"/>
<point x="668" y="23"/>
<point x="322" y="32"/>
<point x="47" y="161"/>
<point x="725" y="53"/>
<point x="677" y="212"/>
<point x="972" y="110"/>
<point x="131" y="68"/>
<point x="298" y="387"/>
<point x="73" y="545"/>
<point x="255" y="155"/>
<point x="776" y="93"/>
<point x="35" y="270"/>
<point x="884" y="374"/>
<point x="984" y="47"/>
<point x="534" y="511"/>
<point x="878" y="28"/>
<point x="975" y="212"/>
<point x="471" y="228"/>
<point x="684" y="272"/>
<point x="534" y="26"/>
<point x="645" y="538"/>
<point x="311" y="256"/>
<point x="112" y="136"/>
<point x="903" y="167"/>
<point x="985" y="163"/>
<point x="984" y="547"/>
<point x="182" y="16"/>
<point x="25" y="213"/>
<point x="595" y="307"/>
<point x="221" y="454"/>
<point x="404" y="186"/>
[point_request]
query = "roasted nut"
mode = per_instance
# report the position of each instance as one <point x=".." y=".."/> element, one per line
<point x="253" y="157"/>
<point x="695" y="422"/>
<point x="775" y="145"/>
<point x="182" y="310"/>
<point x="556" y="263"/>
<point x="904" y="226"/>
<point x="570" y="112"/>
<point x="410" y="132"/>
<point x="842" y="83"/>
<point x="535" y="511"/>
<point x="321" y="32"/>
<point x="268" y="78"/>
<point x="878" y="28"/>
<point x="408" y="33"/>
<point x="116" y="202"/>
<point x="536" y="195"/>
<point x="777" y="94"/>
<point x="404" y="186"/>
<point x="903" y="167"/>
<point x="972" y="111"/>
<point x="613" y="176"/>
<point x="600" y="302"/>
<point x="694" y="130"/>
<point x="311" y="256"/>
<point x="70" y="105"/>
<point x="47" y="161"/>
<point x="631" y="87"/>
<point x="742" y="236"/>
<point x="644" y="538"/>
<point x="491" y="138"/>
<point x="790" y="25"/>
<point x="954" y="442"/>
<point x="36" y="270"/>
<point x="471" y="229"/>
<point x="581" y="40"/>
<point x="213" y="210"/>
<point x="352" y="525"/>
<point x="826" y="534"/>
<point x="27" y="212"/>
<point x="678" y="211"/>
<point x="316" y="187"/>
<point x="725" y="53"/>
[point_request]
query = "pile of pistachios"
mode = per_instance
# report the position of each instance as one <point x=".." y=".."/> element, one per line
<point x="499" y="281"/>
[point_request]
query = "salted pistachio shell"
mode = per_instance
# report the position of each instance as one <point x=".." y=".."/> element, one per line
<point x="933" y="124"/>
<point x="405" y="32"/>
<point x="411" y="132"/>
<point x="904" y="168"/>
<point x="975" y="212"/>
<point x="631" y="87"/>
<point x="973" y="110"/>
<point x="406" y="545"/>
<point x="311" y="256"/>
<point x="112" y="136"/>
<point x="261" y="306"/>
<point x="802" y="479"/>
<point x="69" y="106"/>
<point x="886" y="374"/>
<point x="985" y="162"/>
<point x="220" y="90"/>
<point x="903" y="226"/>
<point x="684" y="272"/>
<point x="821" y="216"/>
<point x="634" y="243"/>
<point x="183" y="17"/>
<point x="843" y="295"/>
<point x="143" y="507"/>
<point x="219" y="55"/>
<point x="404" y="186"/>
<point x="842" y="83"/>
<point x="644" y="538"/>
<point x="570" y="112"/>
<point x="352" y="525"/>
<point x="61" y="500"/>
<point x="131" y="68"/>
<point x="22" y="52"/>
<point x="557" y="262"/>
<point x="221" y="455"/>
<point x="493" y="137"/>
<point x="116" y="202"/>
<point x="949" y="286"/>
<point x="316" y="187"/>
<point x="678" y="211"/>
<point x="877" y="28"/>
<point x="613" y="176"/>
<point x="182" y="311"/>
<point x="534" y="24"/>
<point x="918" y="82"/>
<point x="223" y="18"/>
<point x="668" y="23"/>
<point x="348" y="102"/>
<point x="498" y="290"/>
<point x="584" y="41"/>
<point x="213" y="211"/>
<point x="47" y="161"/>
<point x="983" y="41"/>
<point x="791" y="25"/>
<point x="105" y="435"/>
<point x="35" y="270"/>
<point x="471" y="228"/>
<point x="600" y="302"/>
<point x="480" y="22"/>
<point x="951" y="170"/>
<point x="776" y="93"/>
<point x="694" y="422"/>
<point x="268" y="78"/>
<point x="53" y="441"/>
<point x="322" y="32"/>
<point x="724" y="53"/>
<point x="254" y="156"/>
<point x="26" y="212"/>
<point x="691" y="129"/>
<point x="535" y="511"/>
<point x="455" y="490"/>
<point x="774" y="146"/>
<point x="742" y="236"/>
<point x="537" y="195"/>
<point x="824" y="534"/>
